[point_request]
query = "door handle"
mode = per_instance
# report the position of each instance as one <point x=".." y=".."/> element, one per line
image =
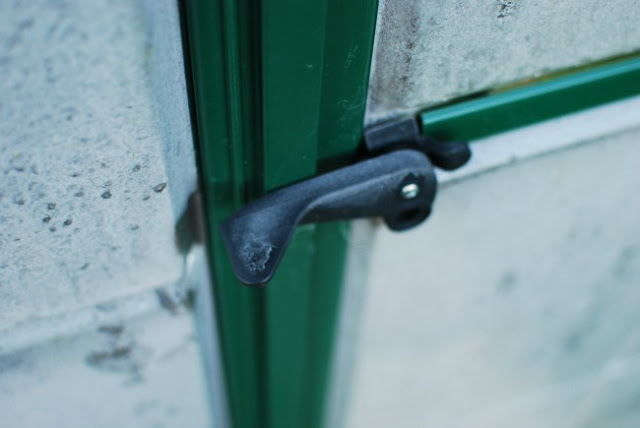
<point x="399" y="185"/>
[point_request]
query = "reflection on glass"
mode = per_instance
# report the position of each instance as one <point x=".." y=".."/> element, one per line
<point x="516" y="305"/>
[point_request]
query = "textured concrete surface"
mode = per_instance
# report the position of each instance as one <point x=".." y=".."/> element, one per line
<point x="431" y="51"/>
<point x="140" y="372"/>
<point x="132" y="362"/>
<point x="96" y="169"/>
<point x="516" y="304"/>
<point x="96" y="157"/>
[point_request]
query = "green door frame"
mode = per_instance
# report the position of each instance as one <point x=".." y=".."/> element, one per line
<point x="279" y="90"/>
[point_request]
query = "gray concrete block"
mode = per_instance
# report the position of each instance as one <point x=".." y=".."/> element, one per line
<point x="96" y="154"/>
<point x="431" y="51"/>
<point x="138" y="372"/>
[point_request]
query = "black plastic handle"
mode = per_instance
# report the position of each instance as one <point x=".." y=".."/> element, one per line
<point x="399" y="186"/>
<point x="404" y="134"/>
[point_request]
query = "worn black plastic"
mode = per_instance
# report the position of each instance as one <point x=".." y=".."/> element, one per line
<point x="404" y="134"/>
<point x="257" y="236"/>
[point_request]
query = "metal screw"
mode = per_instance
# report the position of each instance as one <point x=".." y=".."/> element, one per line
<point x="410" y="191"/>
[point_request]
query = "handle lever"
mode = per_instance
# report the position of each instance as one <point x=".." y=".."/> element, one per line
<point x="404" y="134"/>
<point x="399" y="186"/>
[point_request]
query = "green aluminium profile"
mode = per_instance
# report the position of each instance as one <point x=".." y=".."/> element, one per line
<point x="503" y="111"/>
<point x="224" y="64"/>
<point x="279" y="91"/>
<point x="315" y="81"/>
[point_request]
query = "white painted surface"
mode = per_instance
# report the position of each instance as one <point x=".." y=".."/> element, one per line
<point x="515" y="304"/>
<point x="431" y="51"/>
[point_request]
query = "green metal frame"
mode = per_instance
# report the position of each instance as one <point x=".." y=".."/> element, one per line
<point x="499" y="112"/>
<point x="279" y="90"/>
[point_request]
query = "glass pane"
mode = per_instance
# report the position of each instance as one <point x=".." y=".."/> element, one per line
<point x="515" y="304"/>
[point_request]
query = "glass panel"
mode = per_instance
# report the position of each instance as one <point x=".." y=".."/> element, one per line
<point x="515" y="304"/>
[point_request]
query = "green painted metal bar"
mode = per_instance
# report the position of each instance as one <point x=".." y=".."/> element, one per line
<point x="348" y="49"/>
<point x="279" y="89"/>
<point x="225" y="73"/>
<point x="292" y="65"/>
<point x="315" y="80"/>
<point x="499" y="112"/>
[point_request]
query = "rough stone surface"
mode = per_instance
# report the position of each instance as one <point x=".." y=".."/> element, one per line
<point x="516" y="304"/>
<point x="96" y="155"/>
<point x="96" y="169"/>
<point x="140" y="372"/>
<point x="431" y="51"/>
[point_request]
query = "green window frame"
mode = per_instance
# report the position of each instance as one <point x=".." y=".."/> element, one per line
<point x="278" y="92"/>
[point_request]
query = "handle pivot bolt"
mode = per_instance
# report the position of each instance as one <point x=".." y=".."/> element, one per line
<point x="410" y="191"/>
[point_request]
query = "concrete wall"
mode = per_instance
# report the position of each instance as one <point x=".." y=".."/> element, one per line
<point x="431" y="51"/>
<point x="96" y="169"/>
<point x="143" y="371"/>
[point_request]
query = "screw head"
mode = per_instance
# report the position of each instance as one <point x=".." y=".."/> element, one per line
<point x="410" y="191"/>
